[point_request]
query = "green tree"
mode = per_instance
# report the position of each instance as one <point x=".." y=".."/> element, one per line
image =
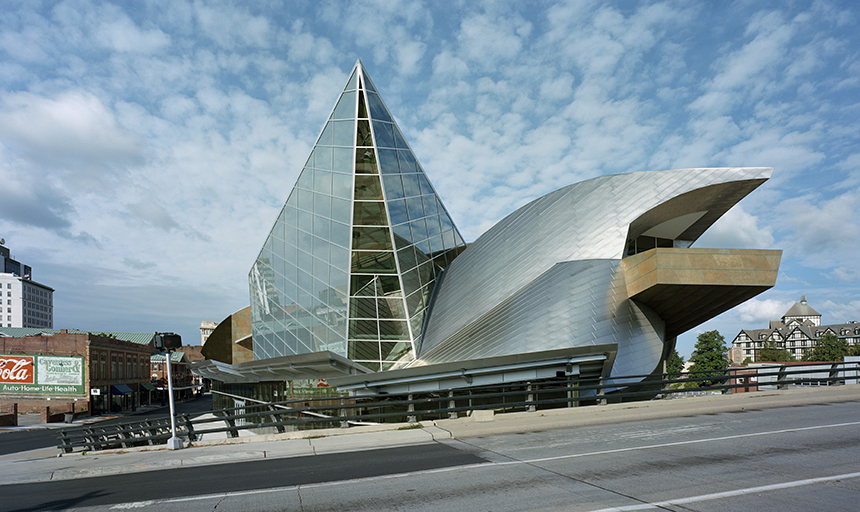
<point x="828" y="348"/>
<point x="771" y="352"/>
<point x="675" y="364"/>
<point x="710" y="355"/>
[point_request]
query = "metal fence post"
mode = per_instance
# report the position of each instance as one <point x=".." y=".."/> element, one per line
<point x="342" y="413"/>
<point x="530" y="398"/>
<point x="781" y="377"/>
<point x="601" y="399"/>
<point x="410" y="408"/>
<point x="451" y="404"/>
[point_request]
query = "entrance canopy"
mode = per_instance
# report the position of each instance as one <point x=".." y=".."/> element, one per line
<point x="316" y="365"/>
<point x="589" y="362"/>
<point x="121" y="389"/>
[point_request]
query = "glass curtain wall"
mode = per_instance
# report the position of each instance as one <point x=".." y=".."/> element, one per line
<point x="351" y="261"/>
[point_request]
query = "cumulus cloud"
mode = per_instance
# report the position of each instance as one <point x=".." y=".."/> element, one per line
<point x="758" y="312"/>
<point x="822" y="229"/>
<point x="840" y="312"/>
<point x="207" y="111"/>
<point x="737" y="229"/>
<point x="73" y="130"/>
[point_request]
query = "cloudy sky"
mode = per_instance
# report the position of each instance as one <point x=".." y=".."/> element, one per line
<point x="147" y="147"/>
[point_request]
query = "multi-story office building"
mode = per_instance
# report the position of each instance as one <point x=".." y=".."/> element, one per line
<point x="25" y="302"/>
<point x="206" y="328"/>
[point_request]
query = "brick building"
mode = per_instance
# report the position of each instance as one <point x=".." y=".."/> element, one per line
<point x="183" y="379"/>
<point x="67" y="370"/>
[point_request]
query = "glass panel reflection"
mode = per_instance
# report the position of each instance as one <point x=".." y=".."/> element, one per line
<point x="373" y="262"/>
<point x="342" y="159"/>
<point x="362" y="108"/>
<point x="368" y="213"/>
<point x="407" y="162"/>
<point x="393" y="330"/>
<point x="362" y="307"/>
<point x="388" y="161"/>
<point x="384" y="136"/>
<point x="343" y="133"/>
<point x="410" y="185"/>
<point x="377" y="110"/>
<point x="363" y="285"/>
<point x="365" y="161"/>
<point x="363" y="137"/>
<point x="345" y="108"/>
<point x="393" y="187"/>
<point x="371" y="239"/>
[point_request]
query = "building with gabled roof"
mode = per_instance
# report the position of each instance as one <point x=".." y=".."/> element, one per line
<point x="797" y="331"/>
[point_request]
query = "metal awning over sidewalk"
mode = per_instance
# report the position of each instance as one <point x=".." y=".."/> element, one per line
<point x="593" y="361"/>
<point x="316" y="365"/>
<point x="120" y="389"/>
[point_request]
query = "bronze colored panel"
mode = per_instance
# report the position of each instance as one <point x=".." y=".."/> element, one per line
<point x="686" y="287"/>
<point x="222" y="343"/>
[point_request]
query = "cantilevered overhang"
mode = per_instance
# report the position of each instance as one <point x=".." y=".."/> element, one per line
<point x="687" y="287"/>
<point x="316" y="365"/>
<point x="590" y="361"/>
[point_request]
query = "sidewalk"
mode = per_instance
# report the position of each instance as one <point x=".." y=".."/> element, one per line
<point x="30" y="421"/>
<point x="45" y="464"/>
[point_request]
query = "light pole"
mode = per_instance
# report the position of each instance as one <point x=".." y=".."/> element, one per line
<point x="168" y="341"/>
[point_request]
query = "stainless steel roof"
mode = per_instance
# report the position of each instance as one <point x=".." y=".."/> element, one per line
<point x="547" y="276"/>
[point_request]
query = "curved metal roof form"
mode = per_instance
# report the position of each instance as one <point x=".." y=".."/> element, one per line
<point x="365" y="263"/>
<point x="548" y="275"/>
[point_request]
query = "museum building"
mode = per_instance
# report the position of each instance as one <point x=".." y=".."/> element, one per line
<point x="365" y="280"/>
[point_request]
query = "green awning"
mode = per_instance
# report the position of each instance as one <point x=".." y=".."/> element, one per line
<point x="147" y="386"/>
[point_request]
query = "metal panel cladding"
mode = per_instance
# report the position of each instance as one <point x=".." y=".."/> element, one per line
<point x="546" y="275"/>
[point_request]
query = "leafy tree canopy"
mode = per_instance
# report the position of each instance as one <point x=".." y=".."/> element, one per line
<point x="828" y="348"/>
<point x="710" y="354"/>
<point x="771" y="352"/>
<point x="675" y="363"/>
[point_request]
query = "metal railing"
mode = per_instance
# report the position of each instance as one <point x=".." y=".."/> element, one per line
<point x="344" y="411"/>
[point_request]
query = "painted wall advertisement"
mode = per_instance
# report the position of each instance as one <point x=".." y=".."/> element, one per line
<point x="41" y="375"/>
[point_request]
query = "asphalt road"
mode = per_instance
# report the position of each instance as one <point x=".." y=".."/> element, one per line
<point x="774" y="460"/>
<point x="237" y="477"/>
<point x="14" y="441"/>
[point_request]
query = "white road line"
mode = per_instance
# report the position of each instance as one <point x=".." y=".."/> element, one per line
<point x="530" y="461"/>
<point x="730" y="494"/>
<point x="681" y="443"/>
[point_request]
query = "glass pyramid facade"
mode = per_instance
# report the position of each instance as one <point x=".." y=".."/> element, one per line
<point x="351" y="262"/>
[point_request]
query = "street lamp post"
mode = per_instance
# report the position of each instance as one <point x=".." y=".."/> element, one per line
<point x="174" y="443"/>
<point x="168" y="342"/>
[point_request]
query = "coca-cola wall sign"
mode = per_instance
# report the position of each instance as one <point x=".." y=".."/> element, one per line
<point x="42" y="375"/>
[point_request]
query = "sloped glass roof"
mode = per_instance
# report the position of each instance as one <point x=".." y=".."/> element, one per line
<point x="353" y="257"/>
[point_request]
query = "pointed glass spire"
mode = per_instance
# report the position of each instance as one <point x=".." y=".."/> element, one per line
<point x="352" y="259"/>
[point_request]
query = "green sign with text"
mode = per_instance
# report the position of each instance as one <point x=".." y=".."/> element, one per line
<point x="41" y="375"/>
